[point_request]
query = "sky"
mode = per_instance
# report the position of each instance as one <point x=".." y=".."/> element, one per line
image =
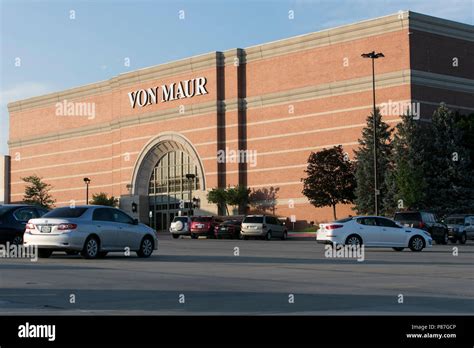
<point x="64" y="44"/>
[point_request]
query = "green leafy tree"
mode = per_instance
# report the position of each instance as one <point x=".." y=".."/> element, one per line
<point x="102" y="199"/>
<point x="364" y="172"/>
<point x="238" y="196"/>
<point x="330" y="179"/>
<point x="218" y="196"/>
<point x="37" y="192"/>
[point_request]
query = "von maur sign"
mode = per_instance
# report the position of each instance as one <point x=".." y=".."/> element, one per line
<point x="174" y="91"/>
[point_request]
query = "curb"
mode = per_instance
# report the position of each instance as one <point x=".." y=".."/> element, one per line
<point x="301" y="235"/>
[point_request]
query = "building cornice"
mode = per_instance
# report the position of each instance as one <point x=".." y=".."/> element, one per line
<point x="440" y="26"/>
<point x="188" y="65"/>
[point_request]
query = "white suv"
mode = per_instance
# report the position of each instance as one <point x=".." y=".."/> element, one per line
<point x="180" y="226"/>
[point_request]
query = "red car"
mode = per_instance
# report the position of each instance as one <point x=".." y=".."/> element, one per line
<point x="229" y="228"/>
<point x="204" y="226"/>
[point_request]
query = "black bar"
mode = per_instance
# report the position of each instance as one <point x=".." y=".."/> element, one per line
<point x="261" y="330"/>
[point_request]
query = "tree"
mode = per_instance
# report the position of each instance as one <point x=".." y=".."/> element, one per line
<point x="238" y="196"/>
<point x="102" y="199"/>
<point x="364" y="172"/>
<point x="407" y="179"/>
<point x="465" y="123"/>
<point x="330" y="179"/>
<point x="447" y="168"/>
<point x="432" y="162"/>
<point x="223" y="197"/>
<point x="218" y="196"/>
<point x="264" y="199"/>
<point x="37" y="192"/>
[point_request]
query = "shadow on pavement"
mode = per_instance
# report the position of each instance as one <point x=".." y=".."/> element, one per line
<point x="227" y="303"/>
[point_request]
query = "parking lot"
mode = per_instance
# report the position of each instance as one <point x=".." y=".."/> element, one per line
<point x="187" y="276"/>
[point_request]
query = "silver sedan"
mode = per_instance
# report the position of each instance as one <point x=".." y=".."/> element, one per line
<point x="91" y="230"/>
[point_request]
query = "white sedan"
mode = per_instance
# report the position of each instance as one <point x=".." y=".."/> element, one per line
<point x="373" y="231"/>
<point x="92" y="230"/>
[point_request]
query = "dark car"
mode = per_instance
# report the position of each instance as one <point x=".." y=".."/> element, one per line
<point x="13" y="219"/>
<point x="229" y="228"/>
<point x="460" y="227"/>
<point x="426" y="221"/>
<point x="204" y="226"/>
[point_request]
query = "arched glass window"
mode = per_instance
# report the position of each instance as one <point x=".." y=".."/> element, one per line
<point x="169" y="174"/>
<point x="168" y="188"/>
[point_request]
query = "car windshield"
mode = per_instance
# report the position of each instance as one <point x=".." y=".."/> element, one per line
<point x="254" y="220"/>
<point x="231" y="222"/>
<point x="455" y="221"/>
<point x="407" y="217"/>
<point x="341" y="221"/>
<point x="180" y="218"/>
<point x="202" y="219"/>
<point x="65" y="212"/>
<point x="4" y="209"/>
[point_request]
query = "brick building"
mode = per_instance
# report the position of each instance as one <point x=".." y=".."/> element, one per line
<point x="138" y="134"/>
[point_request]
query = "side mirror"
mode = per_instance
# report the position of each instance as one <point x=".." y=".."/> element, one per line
<point x="135" y="221"/>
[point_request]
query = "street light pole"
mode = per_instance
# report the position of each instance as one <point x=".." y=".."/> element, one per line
<point x="372" y="55"/>
<point x="190" y="178"/>
<point x="87" y="181"/>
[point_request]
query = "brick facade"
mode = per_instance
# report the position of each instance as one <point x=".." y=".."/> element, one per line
<point x="282" y="99"/>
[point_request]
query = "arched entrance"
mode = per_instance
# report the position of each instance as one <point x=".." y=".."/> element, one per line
<point x="160" y="175"/>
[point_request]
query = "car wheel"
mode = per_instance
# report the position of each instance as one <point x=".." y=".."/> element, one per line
<point x="284" y="236"/>
<point x="453" y="240"/>
<point x="91" y="248"/>
<point x="463" y="238"/>
<point x="398" y="249"/>
<point x="17" y="240"/>
<point x="268" y="236"/>
<point x="44" y="253"/>
<point x="146" y="247"/>
<point x="416" y="243"/>
<point x="353" y="239"/>
<point x="175" y="236"/>
<point x="194" y="236"/>
<point x="72" y="252"/>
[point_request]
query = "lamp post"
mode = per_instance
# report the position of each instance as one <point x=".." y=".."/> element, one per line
<point x="373" y="56"/>
<point x="190" y="178"/>
<point x="87" y="181"/>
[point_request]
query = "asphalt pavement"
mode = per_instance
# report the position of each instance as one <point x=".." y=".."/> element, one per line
<point x="235" y="277"/>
